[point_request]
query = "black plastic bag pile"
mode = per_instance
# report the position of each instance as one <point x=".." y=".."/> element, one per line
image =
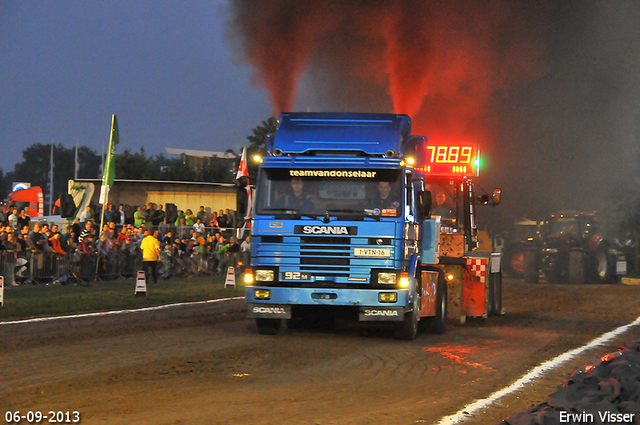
<point x="604" y="391"/>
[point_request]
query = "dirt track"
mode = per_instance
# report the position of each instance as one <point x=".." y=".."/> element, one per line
<point x="207" y="364"/>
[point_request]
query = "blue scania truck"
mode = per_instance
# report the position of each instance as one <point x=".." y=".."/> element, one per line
<point x="342" y="226"/>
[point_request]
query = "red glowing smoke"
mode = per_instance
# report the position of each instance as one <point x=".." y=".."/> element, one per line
<point x="442" y="61"/>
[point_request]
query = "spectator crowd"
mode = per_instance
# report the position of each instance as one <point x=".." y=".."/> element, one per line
<point x="193" y="244"/>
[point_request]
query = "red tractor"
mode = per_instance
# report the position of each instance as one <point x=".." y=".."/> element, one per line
<point x="571" y="252"/>
<point x="525" y="235"/>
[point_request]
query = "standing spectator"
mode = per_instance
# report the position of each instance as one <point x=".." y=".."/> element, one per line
<point x="88" y="230"/>
<point x="150" y="254"/>
<point x="23" y="219"/>
<point x="121" y="215"/>
<point x="166" y="238"/>
<point x="67" y="240"/>
<point x="37" y="240"/>
<point x="122" y="236"/>
<point x="198" y="227"/>
<point x="128" y="214"/>
<point x="221" y="250"/>
<point x="110" y="215"/>
<point x="23" y="239"/>
<point x="56" y="246"/>
<point x="179" y="216"/>
<point x="44" y="229"/>
<point x="213" y="222"/>
<point x="245" y="252"/>
<point x="189" y="217"/>
<point x="182" y="230"/>
<point x="158" y="216"/>
<point x="12" y="247"/>
<point x="138" y="217"/>
<point x="87" y="244"/>
<point x="3" y="214"/>
<point x="85" y="215"/>
<point x="233" y="251"/>
<point x="148" y="212"/>
<point x="202" y="215"/>
<point x="231" y="217"/>
<point x="77" y="229"/>
<point x="13" y="220"/>
<point x="223" y="220"/>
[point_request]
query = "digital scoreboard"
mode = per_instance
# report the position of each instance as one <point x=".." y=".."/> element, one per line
<point x="449" y="160"/>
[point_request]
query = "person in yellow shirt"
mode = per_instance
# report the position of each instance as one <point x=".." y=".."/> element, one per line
<point x="150" y="254"/>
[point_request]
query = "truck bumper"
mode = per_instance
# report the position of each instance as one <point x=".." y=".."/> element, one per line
<point x="277" y="302"/>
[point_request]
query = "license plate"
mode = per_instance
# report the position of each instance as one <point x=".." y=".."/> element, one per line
<point x="295" y="276"/>
<point x="372" y="252"/>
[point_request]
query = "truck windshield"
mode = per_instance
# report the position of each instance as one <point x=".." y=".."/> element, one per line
<point x="376" y="193"/>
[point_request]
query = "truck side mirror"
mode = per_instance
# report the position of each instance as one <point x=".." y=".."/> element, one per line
<point x="496" y="195"/>
<point x="426" y="204"/>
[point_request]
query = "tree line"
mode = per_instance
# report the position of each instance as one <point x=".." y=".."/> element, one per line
<point x="129" y="165"/>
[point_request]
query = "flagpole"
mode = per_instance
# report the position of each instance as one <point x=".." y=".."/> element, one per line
<point x="108" y="177"/>
<point x="75" y="168"/>
<point x="51" y="181"/>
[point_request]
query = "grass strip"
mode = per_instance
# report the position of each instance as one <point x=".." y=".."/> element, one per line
<point x="39" y="300"/>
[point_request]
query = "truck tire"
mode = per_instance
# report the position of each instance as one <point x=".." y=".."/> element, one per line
<point x="576" y="267"/>
<point x="268" y="326"/>
<point x="438" y="323"/>
<point x="531" y="269"/>
<point x="496" y="305"/>
<point x="408" y="328"/>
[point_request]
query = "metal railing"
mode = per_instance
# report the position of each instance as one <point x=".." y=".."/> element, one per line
<point x="50" y="267"/>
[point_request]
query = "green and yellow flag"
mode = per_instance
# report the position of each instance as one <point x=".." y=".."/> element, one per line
<point x="110" y="164"/>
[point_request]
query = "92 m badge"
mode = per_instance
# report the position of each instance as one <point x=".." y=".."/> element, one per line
<point x="295" y="276"/>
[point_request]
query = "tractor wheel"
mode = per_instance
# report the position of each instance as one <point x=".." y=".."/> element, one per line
<point x="531" y="269"/>
<point x="513" y="260"/>
<point x="576" y="267"/>
<point x="601" y="268"/>
<point x="268" y="326"/>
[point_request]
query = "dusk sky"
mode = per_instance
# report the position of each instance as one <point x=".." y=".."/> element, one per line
<point x="165" y="68"/>
<point x="550" y="89"/>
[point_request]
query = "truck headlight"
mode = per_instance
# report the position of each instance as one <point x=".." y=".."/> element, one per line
<point x="264" y="275"/>
<point x="386" y="278"/>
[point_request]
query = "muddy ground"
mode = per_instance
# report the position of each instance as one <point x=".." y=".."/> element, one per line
<point x="207" y="364"/>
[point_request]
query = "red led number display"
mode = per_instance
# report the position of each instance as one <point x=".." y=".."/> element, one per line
<point x="450" y="160"/>
<point x="449" y="154"/>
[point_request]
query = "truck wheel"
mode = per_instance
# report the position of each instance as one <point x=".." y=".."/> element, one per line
<point x="576" y="267"/>
<point x="408" y="328"/>
<point x="268" y="326"/>
<point x="531" y="269"/>
<point x="496" y="305"/>
<point x="438" y="324"/>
